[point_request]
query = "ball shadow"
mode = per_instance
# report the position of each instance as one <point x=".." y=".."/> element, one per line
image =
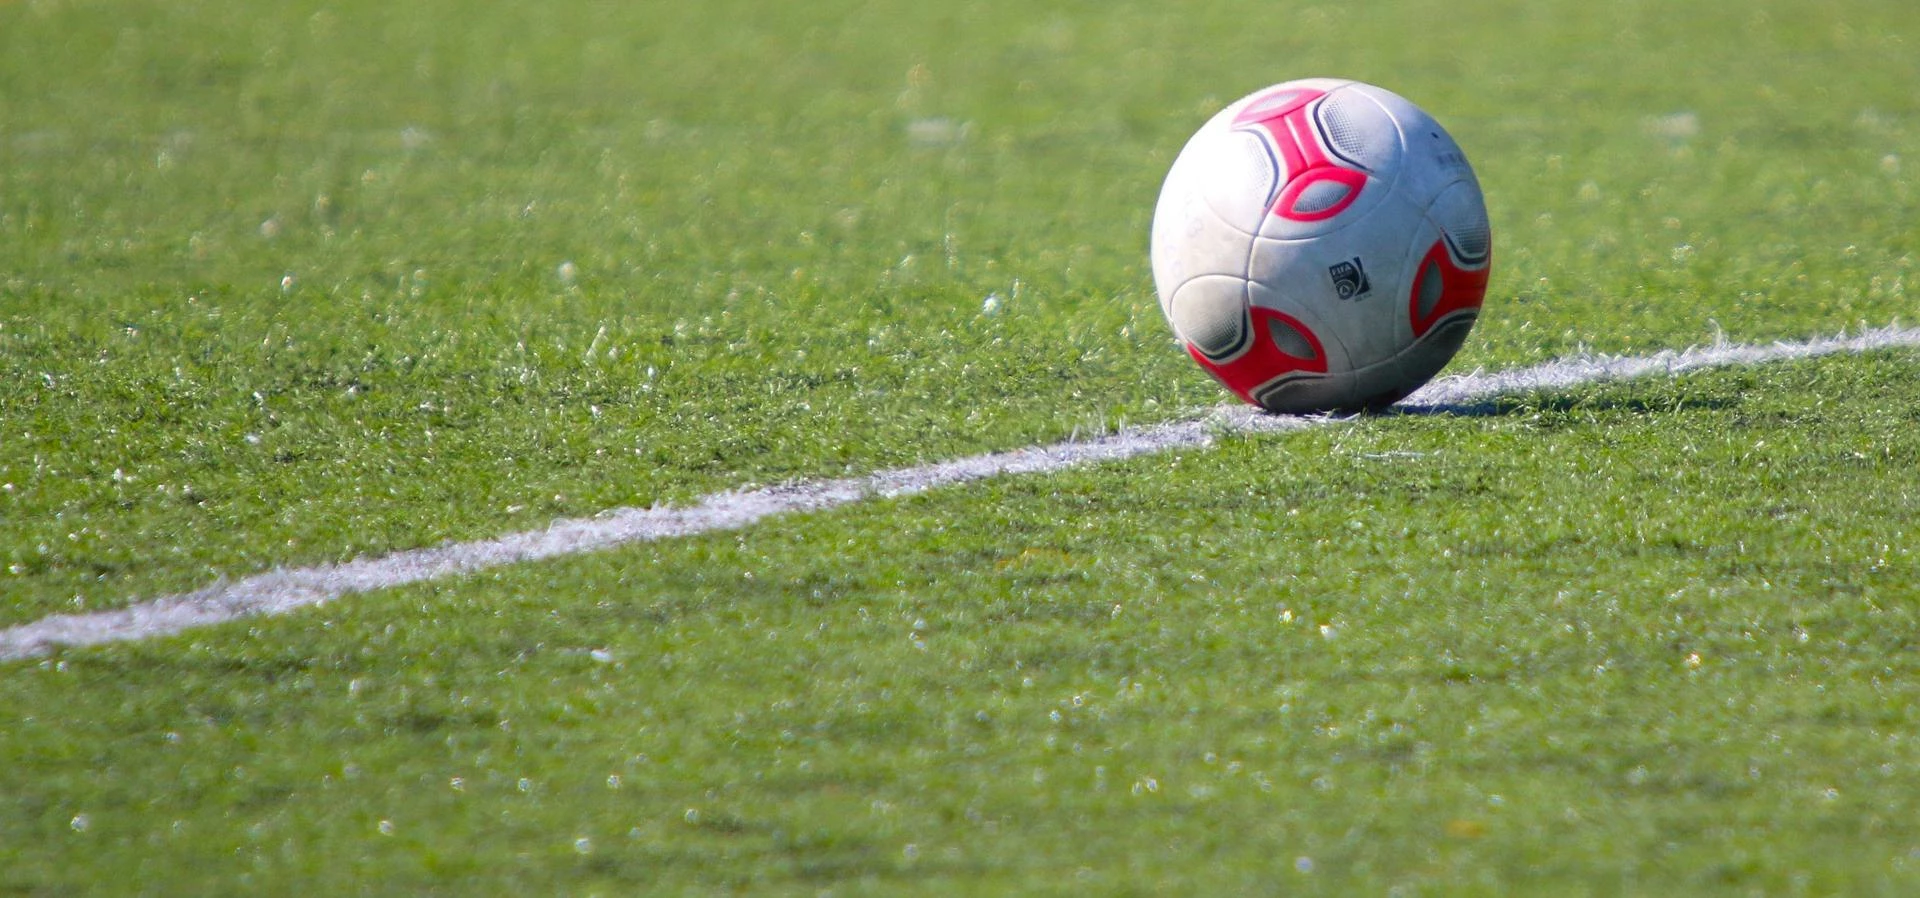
<point x="1535" y="403"/>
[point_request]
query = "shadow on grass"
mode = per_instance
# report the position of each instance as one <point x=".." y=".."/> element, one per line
<point x="1538" y="403"/>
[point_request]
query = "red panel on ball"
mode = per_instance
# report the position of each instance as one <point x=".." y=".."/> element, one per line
<point x="1460" y="288"/>
<point x="1284" y="119"/>
<point x="1265" y="362"/>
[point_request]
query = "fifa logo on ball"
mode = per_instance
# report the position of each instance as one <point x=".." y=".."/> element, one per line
<point x="1349" y="279"/>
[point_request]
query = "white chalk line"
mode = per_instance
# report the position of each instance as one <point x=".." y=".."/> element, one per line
<point x="284" y="590"/>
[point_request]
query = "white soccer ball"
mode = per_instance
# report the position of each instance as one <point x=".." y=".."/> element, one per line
<point x="1321" y="245"/>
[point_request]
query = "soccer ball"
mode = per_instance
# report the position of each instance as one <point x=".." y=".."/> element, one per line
<point x="1321" y="245"/>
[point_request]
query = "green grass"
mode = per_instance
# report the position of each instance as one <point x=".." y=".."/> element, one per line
<point x="1637" y="638"/>
<point x="284" y="285"/>
<point x="773" y="278"/>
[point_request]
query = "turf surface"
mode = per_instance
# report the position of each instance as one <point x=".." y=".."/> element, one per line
<point x="1628" y="638"/>
<point x="287" y="285"/>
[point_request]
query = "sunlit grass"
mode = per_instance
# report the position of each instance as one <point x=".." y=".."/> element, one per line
<point x="1632" y="637"/>
<point x="284" y="285"/>
<point x="287" y="286"/>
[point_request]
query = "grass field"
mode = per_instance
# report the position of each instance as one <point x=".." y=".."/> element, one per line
<point x="291" y="284"/>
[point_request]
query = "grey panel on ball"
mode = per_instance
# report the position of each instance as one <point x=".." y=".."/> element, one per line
<point x="1211" y="314"/>
<point x="1430" y="289"/>
<point x="1320" y="196"/>
<point x="1302" y="394"/>
<point x="1290" y="341"/>
<point x="1425" y="358"/>
<point x="1358" y="130"/>
<point x="1262" y="171"/>
<point x="1462" y="215"/>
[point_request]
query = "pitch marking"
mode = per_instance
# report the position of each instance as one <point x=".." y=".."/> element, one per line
<point x="280" y="591"/>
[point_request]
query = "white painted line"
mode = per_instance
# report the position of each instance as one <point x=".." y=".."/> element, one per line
<point x="280" y="591"/>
